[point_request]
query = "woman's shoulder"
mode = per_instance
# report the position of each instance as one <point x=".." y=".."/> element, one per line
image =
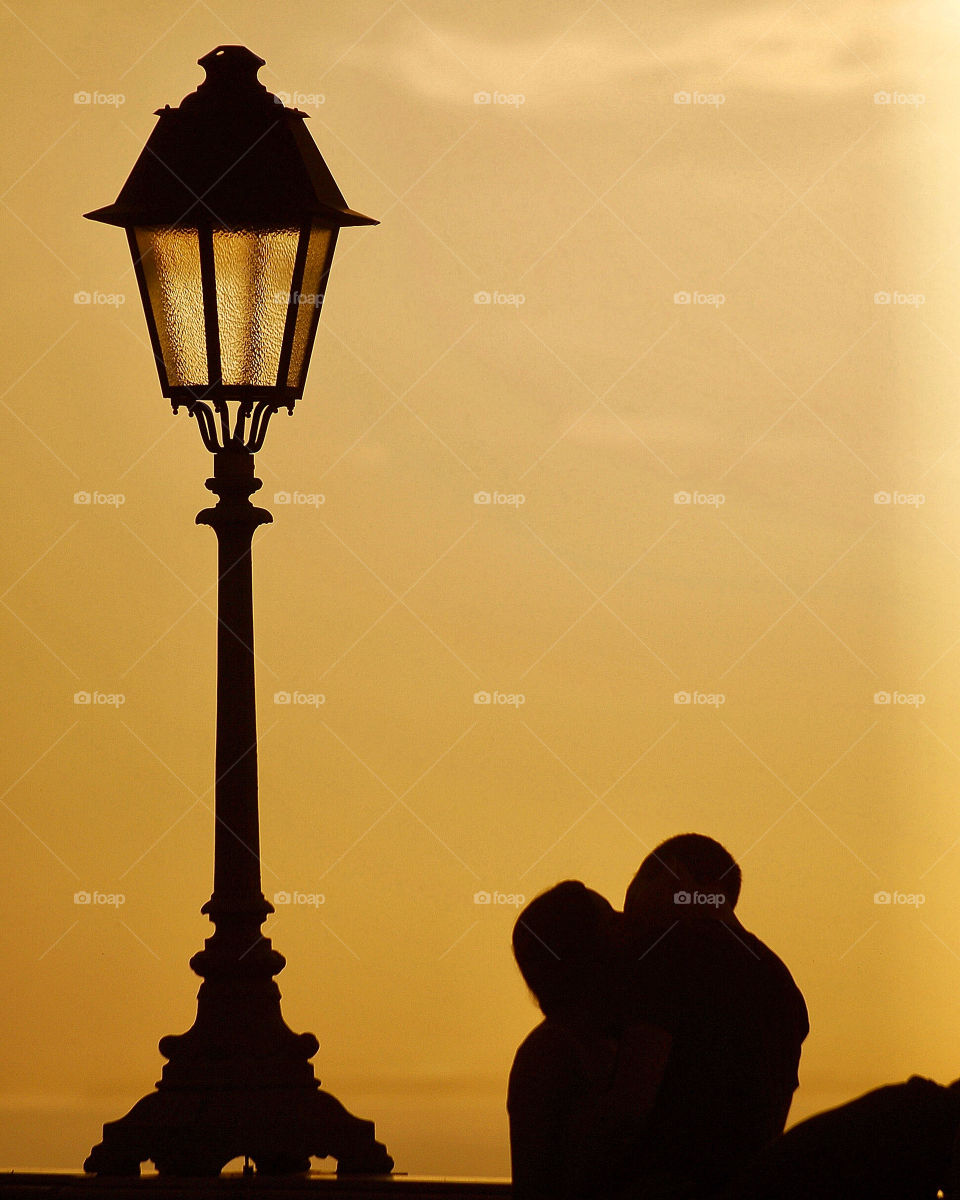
<point x="547" y="1041"/>
<point x="555" y="1052"/>
<point x="546" y="1061"/>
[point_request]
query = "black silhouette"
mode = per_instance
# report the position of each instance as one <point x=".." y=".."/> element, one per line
<point x="239" y="1082"/>
<point x="667" y="1059"/>
<point x="580" y="1083"/>
<point x="232" y="166"/>
<point x="895" y="1143"/>
<point x="734" y="1016"/>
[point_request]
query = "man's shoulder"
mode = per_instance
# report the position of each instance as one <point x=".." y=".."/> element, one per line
<point x="755" y="951"/>
<point x="737" y="967"/>
<point x="711" y="945"/>
<point x="770" y="963"/>
<point x="695" y="952"/>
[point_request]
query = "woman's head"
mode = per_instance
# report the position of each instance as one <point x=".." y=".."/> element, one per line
<point x="564" y="942"/>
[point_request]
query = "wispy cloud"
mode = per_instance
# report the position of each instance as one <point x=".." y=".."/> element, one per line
<point x="772" y="47"/>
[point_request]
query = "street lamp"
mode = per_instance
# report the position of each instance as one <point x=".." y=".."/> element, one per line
<point x="232" y="217"/>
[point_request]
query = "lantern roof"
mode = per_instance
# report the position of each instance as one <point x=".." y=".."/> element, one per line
<point x="233" y="155"/>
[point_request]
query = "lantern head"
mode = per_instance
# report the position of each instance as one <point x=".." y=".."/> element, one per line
<point x="232" y="218"/>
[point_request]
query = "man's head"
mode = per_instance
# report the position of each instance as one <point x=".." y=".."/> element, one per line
<point x="562" y="942"/>
<point x="678" y="873"/>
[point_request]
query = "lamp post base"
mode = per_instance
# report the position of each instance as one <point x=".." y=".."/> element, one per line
<point x="239" y="1082"/>
<point x="193" y="1132"/>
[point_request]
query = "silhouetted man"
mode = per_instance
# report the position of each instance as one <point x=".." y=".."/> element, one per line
<point x="735" y="1017"/>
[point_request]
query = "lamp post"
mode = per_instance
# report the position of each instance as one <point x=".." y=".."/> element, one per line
<point x="232" y="217"/>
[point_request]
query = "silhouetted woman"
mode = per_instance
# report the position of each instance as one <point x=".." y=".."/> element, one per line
<point x="580" y="1084"/>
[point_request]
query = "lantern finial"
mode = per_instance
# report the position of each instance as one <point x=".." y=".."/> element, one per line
<point x="231" y="77"/>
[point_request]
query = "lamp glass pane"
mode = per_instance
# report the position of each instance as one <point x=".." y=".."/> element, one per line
<point x="309" y="300"/>
<point x="170" y="259"/>
<point x="254" y="273"/>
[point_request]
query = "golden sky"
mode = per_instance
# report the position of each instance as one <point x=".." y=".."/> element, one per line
<point x="631" y="254"/>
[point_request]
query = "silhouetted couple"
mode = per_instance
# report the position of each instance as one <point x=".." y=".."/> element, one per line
<point x="667" y="1058"/>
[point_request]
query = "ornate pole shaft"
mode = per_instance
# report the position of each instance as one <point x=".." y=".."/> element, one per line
<point x="236" y="878"/>
<point x="238" y="1013"/>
